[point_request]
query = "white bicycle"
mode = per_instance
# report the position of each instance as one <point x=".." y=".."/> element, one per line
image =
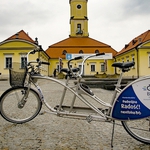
<point x="131" y="105"/>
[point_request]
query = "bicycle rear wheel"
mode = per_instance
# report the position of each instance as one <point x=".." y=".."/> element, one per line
<point x="15" y="108"/>
<point x="138" y="129"/>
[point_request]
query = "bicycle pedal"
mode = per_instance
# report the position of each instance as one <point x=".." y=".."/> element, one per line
<point x="104" y="111"/>
<point x="57" y="107"/>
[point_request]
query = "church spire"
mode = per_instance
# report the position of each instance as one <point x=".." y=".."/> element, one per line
<point x="78" y="18"/>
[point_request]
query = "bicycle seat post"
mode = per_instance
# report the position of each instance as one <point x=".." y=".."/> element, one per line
<point x="119" y="80"/>
<point x="117" y="88"/>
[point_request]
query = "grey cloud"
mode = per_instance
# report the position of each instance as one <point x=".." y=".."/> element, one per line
<point x="22" y="14"/>
<point x="49" y="19"/>
<point x="136" y="7"/>
<point x="28" y="12"/>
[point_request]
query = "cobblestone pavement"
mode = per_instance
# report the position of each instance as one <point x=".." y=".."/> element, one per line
<point x="50" y="132"/>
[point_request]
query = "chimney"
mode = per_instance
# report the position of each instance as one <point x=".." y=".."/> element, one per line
<point x="126" y="45"/>
<point x="17" y="35"/>
<point x="140" y="40"/>
<point x="134" y="41"/>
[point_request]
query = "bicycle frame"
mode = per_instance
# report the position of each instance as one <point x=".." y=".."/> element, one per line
<point x="120" y="108"/>
<point x="78" y="92"/>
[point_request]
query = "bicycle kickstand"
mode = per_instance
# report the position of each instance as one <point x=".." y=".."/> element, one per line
<point x="112" y="137"/>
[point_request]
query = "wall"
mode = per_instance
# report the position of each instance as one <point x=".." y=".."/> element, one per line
<point x="144" y="60"/>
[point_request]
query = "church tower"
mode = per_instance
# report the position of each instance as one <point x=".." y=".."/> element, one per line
<point x="79" y="43"/>
<point x="78" y="18"/>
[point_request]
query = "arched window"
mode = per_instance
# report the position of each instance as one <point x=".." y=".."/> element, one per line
<point x="81" y="52"/>
<point x="97" y="51"/>
<point x="79" y="30"/>
<point x="64" y="52"/>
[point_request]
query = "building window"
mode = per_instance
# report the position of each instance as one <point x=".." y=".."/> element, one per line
<point x="23" y="62"/>
<point x="8" y="63"/>
<point x="149" y="60"/>
<point x="92" y="67"/>
<point x="79" y="31"/>
<point x="102" y="67"/>
<point x="127" y="58"/>
<point x="79" y="26"/>
<point x="81" y="52"/>
<point x="64" y="52"/>
<point x="96" y="51"/>
<point x="80" y="67"/>
<point x="133" y="59"/>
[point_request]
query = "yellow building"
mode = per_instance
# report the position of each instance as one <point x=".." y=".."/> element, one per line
<point x="137" y="50"/>
<point x="15" y="49"/>
<point x="79" y="42"/>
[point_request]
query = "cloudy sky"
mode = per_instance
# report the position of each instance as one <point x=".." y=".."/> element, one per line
<point x="113" y="22"/>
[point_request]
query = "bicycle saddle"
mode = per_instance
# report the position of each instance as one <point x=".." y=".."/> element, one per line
<point x="66" y="70"/>
<point x="123" y="65"/>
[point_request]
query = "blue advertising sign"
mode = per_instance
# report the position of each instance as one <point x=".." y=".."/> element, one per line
<point x="133" y="102"/>
<point x="68" y="56"/>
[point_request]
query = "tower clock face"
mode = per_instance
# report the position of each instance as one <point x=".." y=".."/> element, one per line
<point x="79" y="6"/>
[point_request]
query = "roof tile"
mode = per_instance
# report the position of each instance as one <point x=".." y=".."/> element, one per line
<point x="135" y="42"/>
<point x="21" y="35"/>
<point x="75" y="44"/>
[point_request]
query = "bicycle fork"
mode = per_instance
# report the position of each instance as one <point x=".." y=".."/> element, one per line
<point x="25" y="94"/>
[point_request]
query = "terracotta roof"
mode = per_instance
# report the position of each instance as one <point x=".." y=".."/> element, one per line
<point x="135" y="42"/>
<point x="21" y="35"/>
<point x="75" y="44"/>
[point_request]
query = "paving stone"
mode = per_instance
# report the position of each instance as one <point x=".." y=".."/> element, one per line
<point x="50" y="132"/>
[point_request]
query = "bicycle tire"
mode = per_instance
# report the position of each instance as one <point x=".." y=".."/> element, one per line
<point x="10" y="107"/>
<point x="138" y="129"/>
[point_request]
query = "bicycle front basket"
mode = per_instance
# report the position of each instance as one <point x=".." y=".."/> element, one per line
<point x="17" y="75"/>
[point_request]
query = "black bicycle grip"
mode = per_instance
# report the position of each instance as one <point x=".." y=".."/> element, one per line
<point x="98" y="54"/>
<point x="77" y="58"/>
<point x="45" y="63"/>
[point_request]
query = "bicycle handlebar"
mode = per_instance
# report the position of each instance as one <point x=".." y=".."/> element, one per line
<point x="84" y="59"/>
<point x="45" y="63"/>
<point x="77" y="58"/>
<point x="38" y="62"/>
<point x="98" y="54"/>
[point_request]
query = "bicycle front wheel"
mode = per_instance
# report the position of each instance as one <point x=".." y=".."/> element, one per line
<point x="17" y="106"/>
<point x="138" y="129"/>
